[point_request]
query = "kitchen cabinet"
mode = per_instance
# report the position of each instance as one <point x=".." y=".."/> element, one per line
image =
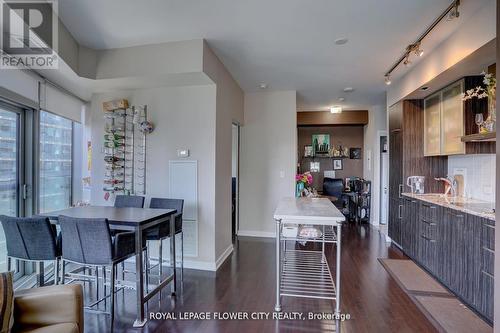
<point x="406" y="158"/>
<point x="456" y="248"/>
<point x="432" y="125"/>
<point x="409" y="227"/>
<point x="444" y="121"/>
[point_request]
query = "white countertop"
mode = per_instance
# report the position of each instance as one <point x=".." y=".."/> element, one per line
<point x="319" y="211"/>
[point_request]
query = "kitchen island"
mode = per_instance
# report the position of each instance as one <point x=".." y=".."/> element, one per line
<point x="302" y="273"/>
<point x="453" y="239"/>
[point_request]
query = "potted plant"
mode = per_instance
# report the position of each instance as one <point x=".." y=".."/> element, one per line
<point x="301" y="182"/>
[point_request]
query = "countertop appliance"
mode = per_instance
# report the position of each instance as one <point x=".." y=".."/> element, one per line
<point x="416" y="183"/>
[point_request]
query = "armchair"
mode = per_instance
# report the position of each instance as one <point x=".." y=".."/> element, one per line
<point x="53" y="309"/>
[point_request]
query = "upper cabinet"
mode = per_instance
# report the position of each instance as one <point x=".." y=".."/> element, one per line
<point x="444" y="121"/>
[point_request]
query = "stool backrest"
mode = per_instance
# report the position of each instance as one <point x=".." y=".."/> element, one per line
<point x="133" y="201"/>
<point x="30" y="238"/>
<point x="164" y="203"/>
<point x="86" y="240"/>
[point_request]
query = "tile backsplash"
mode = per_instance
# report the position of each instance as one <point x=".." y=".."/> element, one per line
<point x="479" y="175"/>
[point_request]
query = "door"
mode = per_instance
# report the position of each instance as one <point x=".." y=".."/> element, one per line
<point x="395" y="184"/>
<point x="384" y="188"/>
<point x="11" y="164"/>
<point x="432" y="125"/>
<point x="452" y="120"/>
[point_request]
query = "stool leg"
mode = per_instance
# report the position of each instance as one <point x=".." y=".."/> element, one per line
<point x="160" y="257"/>
<point x="112" y="308"/>
<point x="182" y="257"/>
<point x="56" y="271"/>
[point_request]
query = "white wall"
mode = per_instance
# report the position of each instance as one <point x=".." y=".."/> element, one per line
<point x="377" y="122"/>
<point x="480" y="175"/>
<point x="268" y="151"/>
<point x="184" y="117"/>
<point x="478" y="30"/>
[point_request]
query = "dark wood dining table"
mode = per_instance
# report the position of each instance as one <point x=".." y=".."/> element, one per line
<point x="136" y="220"/>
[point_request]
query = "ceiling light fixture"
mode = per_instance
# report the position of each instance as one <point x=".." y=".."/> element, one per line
<point x="451" y="13"/>
<point x="341" y="41"/>
<point x="336" y="109"/>
<point x="341" y="99"/>
<point x="263" y="86"/>
<point x="388" y="80"/>
<point x="348" y="89"/>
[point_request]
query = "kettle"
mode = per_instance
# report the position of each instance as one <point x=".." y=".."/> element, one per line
<point x="416" y="183"/>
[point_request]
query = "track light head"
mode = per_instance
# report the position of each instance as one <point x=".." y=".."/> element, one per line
<point x="454" y="13"/>
<point x="387" y="80"/>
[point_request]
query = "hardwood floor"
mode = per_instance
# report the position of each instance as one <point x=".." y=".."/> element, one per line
<point x="246" y="282"/>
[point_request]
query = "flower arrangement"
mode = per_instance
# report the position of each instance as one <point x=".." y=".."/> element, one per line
<point x="301" y="182"/>
<point x="488" y="91"/>
<point x="482" y="92"/>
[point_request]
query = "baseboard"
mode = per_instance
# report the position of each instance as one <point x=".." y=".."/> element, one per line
<point x="189" y="264"/>
<point x="227" y="252"/>
<point x="251" y="233"/>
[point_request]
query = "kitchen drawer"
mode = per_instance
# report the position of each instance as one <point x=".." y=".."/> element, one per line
<point x="488" y="235"/>
<point x="428" y="229"/>
<point x="429" y="212"/>
<point x="487" y="260"/>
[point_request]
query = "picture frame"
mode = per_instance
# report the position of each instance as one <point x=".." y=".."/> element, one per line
<point x="337" y="164"/>
<point x="308" y="151"/>
<point x="321" y="143"/>
<point x="355" y="153"/>
<point x="314" y="167"/>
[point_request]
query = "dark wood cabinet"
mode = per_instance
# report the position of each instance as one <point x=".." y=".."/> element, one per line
<point x="457" y="248"/>
<point x="406" y="158"/>
<point x="409" y="227"/>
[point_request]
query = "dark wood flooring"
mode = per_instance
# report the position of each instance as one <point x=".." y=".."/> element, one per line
<point x="246" y="282"/>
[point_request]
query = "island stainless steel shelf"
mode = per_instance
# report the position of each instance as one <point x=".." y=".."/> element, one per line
<point x="328" y="236"/>
<point x="306" y="274"/>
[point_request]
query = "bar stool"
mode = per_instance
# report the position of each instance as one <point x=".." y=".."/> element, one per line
<point x="163" y="230"/>
<point x="32" y="239"/>
<point x="88" y="242"/>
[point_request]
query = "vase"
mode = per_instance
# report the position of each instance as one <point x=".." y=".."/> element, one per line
<point x="490" y="123"/>
<point x="299" y="188"/>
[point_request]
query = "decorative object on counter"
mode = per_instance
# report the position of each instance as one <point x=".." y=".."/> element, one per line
<point x="337" y="165"/>
<point x="124" y="148"/>
<point x="301" y="182"/>
<point x="290" y="231"/>
<point x="416" y="183"/>
<point x="355" y="153"/>
<point x="488" y="91"/>
<point x="450" y="185"/>
<point x="321" y="143"/>
<point x="308" y="151"/>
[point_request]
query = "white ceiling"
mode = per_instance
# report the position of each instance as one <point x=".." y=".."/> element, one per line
<point x="288" y="44"/>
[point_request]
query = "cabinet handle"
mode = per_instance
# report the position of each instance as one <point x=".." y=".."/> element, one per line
<point x="428" y="239"/>
<point x="488" y="250"/>
<point x="400" y="190"/>
<point x="489" y="226"/>
<point x="400" y="214"/>
<point x="429" y="206"/>
<point x="427" y="222"/>
<point x="487" y="274"/>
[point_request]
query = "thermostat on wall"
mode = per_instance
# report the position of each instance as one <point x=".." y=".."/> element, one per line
<point x="183" y="152"/>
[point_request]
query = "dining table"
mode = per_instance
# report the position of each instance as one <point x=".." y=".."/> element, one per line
<point x="136" y="220"/>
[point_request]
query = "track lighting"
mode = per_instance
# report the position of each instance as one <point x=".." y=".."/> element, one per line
<point x="450" y="13"/>
<point x="388" y="80"/>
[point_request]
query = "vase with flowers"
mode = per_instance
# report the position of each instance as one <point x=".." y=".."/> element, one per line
<point x="301" y="182"/>
<point x="487" y="91"/>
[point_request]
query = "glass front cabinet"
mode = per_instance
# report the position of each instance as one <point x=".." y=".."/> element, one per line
<point x="444" y="121"/>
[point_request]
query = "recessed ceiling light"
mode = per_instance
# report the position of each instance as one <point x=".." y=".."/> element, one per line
<point x="341" y="41"/>
<point x="263" y="86"/>
<point x="348" y="89"/>
<point x="336" y="109"/>
<point x="424" y="88"/>
<point x="341" y="99"/>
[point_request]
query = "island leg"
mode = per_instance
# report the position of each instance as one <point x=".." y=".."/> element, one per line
<point x="277" y="308"/>
<point x="337" y="273"/>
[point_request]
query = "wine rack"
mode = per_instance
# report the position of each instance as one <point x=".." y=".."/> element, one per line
<point x="124" y="150"/>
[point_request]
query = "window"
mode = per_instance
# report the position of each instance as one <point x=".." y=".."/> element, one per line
<point x="56" y="147"/>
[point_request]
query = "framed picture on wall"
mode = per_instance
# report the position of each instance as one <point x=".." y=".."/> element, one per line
<point x="337" y="164"/>
<point x="355" y="153"/>
<point x="321" y="143"/>
<point x="308" y="151"/>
